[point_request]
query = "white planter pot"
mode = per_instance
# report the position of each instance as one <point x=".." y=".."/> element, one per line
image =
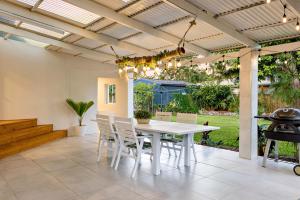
<point x="77" y="131"/>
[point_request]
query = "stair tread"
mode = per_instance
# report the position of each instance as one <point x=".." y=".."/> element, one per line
<point x="18" y="146"/>
<point x="25" y="133"/>
<point x="13" y="125"/>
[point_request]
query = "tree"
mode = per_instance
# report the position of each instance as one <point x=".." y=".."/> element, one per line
<point x="143" y="96"/>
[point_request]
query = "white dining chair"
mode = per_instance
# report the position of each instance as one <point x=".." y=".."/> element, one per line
<point x="128" y="139"/>
<point x="107" y="136"/>
<point x="167" y="117"/>
<point x="191" y="119"/>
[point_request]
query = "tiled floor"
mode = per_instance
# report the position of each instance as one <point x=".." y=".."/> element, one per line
<point x="66" y="170"/>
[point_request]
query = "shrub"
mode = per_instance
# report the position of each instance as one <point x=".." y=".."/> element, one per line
<point x="213" y="97"/>
<point x="143" y="95"/>
<point x="142" y="114"/>
<point x="182" y="103"/>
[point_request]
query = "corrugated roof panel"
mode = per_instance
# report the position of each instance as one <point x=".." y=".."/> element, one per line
<point x="273" y="33"/>
<point x="160" y="14"/>
<point x="119" y="31"/>
<point x="138" y="6"/>
<point x="72" y="38"/>
<point x="147" y="41"/>
<point x="257" y="16"/>
<point x="114" y="4"/>
<point x="119" y="51"/>
<point x="100" y="24"/>
<point x="69" y="11"/>
<point x="200" y="30"/>
<point x="219" y="6"/>
<point x="218" y="42"/>
<point x="88" y="43"/>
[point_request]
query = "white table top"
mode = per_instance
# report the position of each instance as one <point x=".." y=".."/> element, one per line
<point x="173" y="127"/>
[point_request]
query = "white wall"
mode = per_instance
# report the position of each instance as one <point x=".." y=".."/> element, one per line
<point x="34" y="83"/>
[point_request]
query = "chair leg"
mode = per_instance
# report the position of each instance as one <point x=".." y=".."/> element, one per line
<point x="168" y="147"/>
<point x="174" y="148"/>
<point x="118" y="158"/>
<point x="100" y="150"/>
<point x="137" y="160"/>
<point x="266" y="152"/>
<point x="116" y="149"/>
<point x="194" y="151"/>
<point x="276" y="151"/>
<point x="180" y="155"/>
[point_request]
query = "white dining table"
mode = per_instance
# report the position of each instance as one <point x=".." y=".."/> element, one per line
<point x="156" y="128"/>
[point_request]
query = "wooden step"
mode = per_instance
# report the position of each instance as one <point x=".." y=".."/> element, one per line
<point x="26" y="133"/>
<point x="7" y="126"/>
<point x="16" y="147"/>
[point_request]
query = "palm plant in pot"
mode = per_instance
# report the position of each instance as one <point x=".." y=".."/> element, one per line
<point x="142" y="116"/>
<point x="80" y="109"/>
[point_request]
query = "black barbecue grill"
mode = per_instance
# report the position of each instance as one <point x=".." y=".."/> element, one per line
<point x="285" y="127"/>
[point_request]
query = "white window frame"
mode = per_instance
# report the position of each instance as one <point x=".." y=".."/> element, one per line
<point x="108" y="94"/>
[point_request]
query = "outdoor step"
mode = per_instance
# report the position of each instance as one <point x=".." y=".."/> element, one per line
<point x="7" y="126"/>
<point x="16" y="147"/>
<point x="26" y="133"/>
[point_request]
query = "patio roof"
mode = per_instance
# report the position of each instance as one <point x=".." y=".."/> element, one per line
<point x="145" y="27"/>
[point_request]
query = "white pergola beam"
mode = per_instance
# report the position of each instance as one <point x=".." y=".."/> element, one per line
<point x="90" y="53"/>
<point x="220" y="24"/>
<point x="132" y="23"/>
<point x="32" y="17"/>
<point x="293" y="46"/>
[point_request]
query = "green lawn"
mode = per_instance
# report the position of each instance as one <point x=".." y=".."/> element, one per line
<point x="229" y="132"/>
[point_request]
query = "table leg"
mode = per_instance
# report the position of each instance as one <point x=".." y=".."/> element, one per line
<point x="156" y="154"/>
<point x="187" y="149"/>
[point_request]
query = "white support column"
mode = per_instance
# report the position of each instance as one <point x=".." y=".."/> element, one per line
<point x="130" y="95"/>
<point x="248" y="103"/>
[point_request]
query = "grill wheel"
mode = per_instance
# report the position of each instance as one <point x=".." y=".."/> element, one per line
<point x="297" y="170"/>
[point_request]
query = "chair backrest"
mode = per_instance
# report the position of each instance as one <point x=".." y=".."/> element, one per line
<point x="125" y="129"/>
<point x="105" y="126"/>
<point x="186" y="118"/>
<point x="163" y="116"/>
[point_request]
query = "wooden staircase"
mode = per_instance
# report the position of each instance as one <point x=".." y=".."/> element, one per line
<point x="19" y="135"/>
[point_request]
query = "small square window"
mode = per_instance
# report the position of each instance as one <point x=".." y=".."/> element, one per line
<point x="110" y="93"/>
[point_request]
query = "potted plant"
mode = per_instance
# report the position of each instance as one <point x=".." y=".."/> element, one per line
<point x="80" y="109"/>
<point x="142" y="116"/>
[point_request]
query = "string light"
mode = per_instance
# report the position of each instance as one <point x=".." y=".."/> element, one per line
<point x="148" y="68"/>
<point x="170" y="64"/>
<point x="144" y="68"/>
<point x="178" y="64"/>
<point x="268" y="1"/>
<point x="284" y="18"/>
<point x="297" y="25"/>
<point x="120" y="71"/>
<point x="259" y="56"/>
<point x="239" y="63"/>
<point x="223" y="63"/>
<point x="159" y="62"/>
<point x="135" y="70"/>
<point x="285" y="55"/>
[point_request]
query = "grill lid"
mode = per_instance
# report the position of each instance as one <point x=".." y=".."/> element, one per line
<point x="286" y="114"/>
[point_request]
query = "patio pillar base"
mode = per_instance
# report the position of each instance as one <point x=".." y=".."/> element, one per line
<point x="248" y="103"/>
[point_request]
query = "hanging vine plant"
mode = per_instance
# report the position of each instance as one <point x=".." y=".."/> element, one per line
<point x="152" y="61"/>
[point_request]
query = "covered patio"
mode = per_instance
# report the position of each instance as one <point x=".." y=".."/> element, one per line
<point x="53" y="50"/>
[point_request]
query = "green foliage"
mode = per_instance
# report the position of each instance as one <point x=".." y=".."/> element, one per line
<point x="80" y="108"/>
<point x="213" y="97"/>
<point x="142" y="114"/>
<point x="143" y="96"/>
<point x="191" y="74"/>
<point x="182" y="103"/>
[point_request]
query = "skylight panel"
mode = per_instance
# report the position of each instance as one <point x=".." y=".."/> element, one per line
<point x="34" y="43"/>
<point x="53" y="33"/>
<point x="7" y="20"/>
<point x="69" y="11"/>
<point x="29" y="2"/>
